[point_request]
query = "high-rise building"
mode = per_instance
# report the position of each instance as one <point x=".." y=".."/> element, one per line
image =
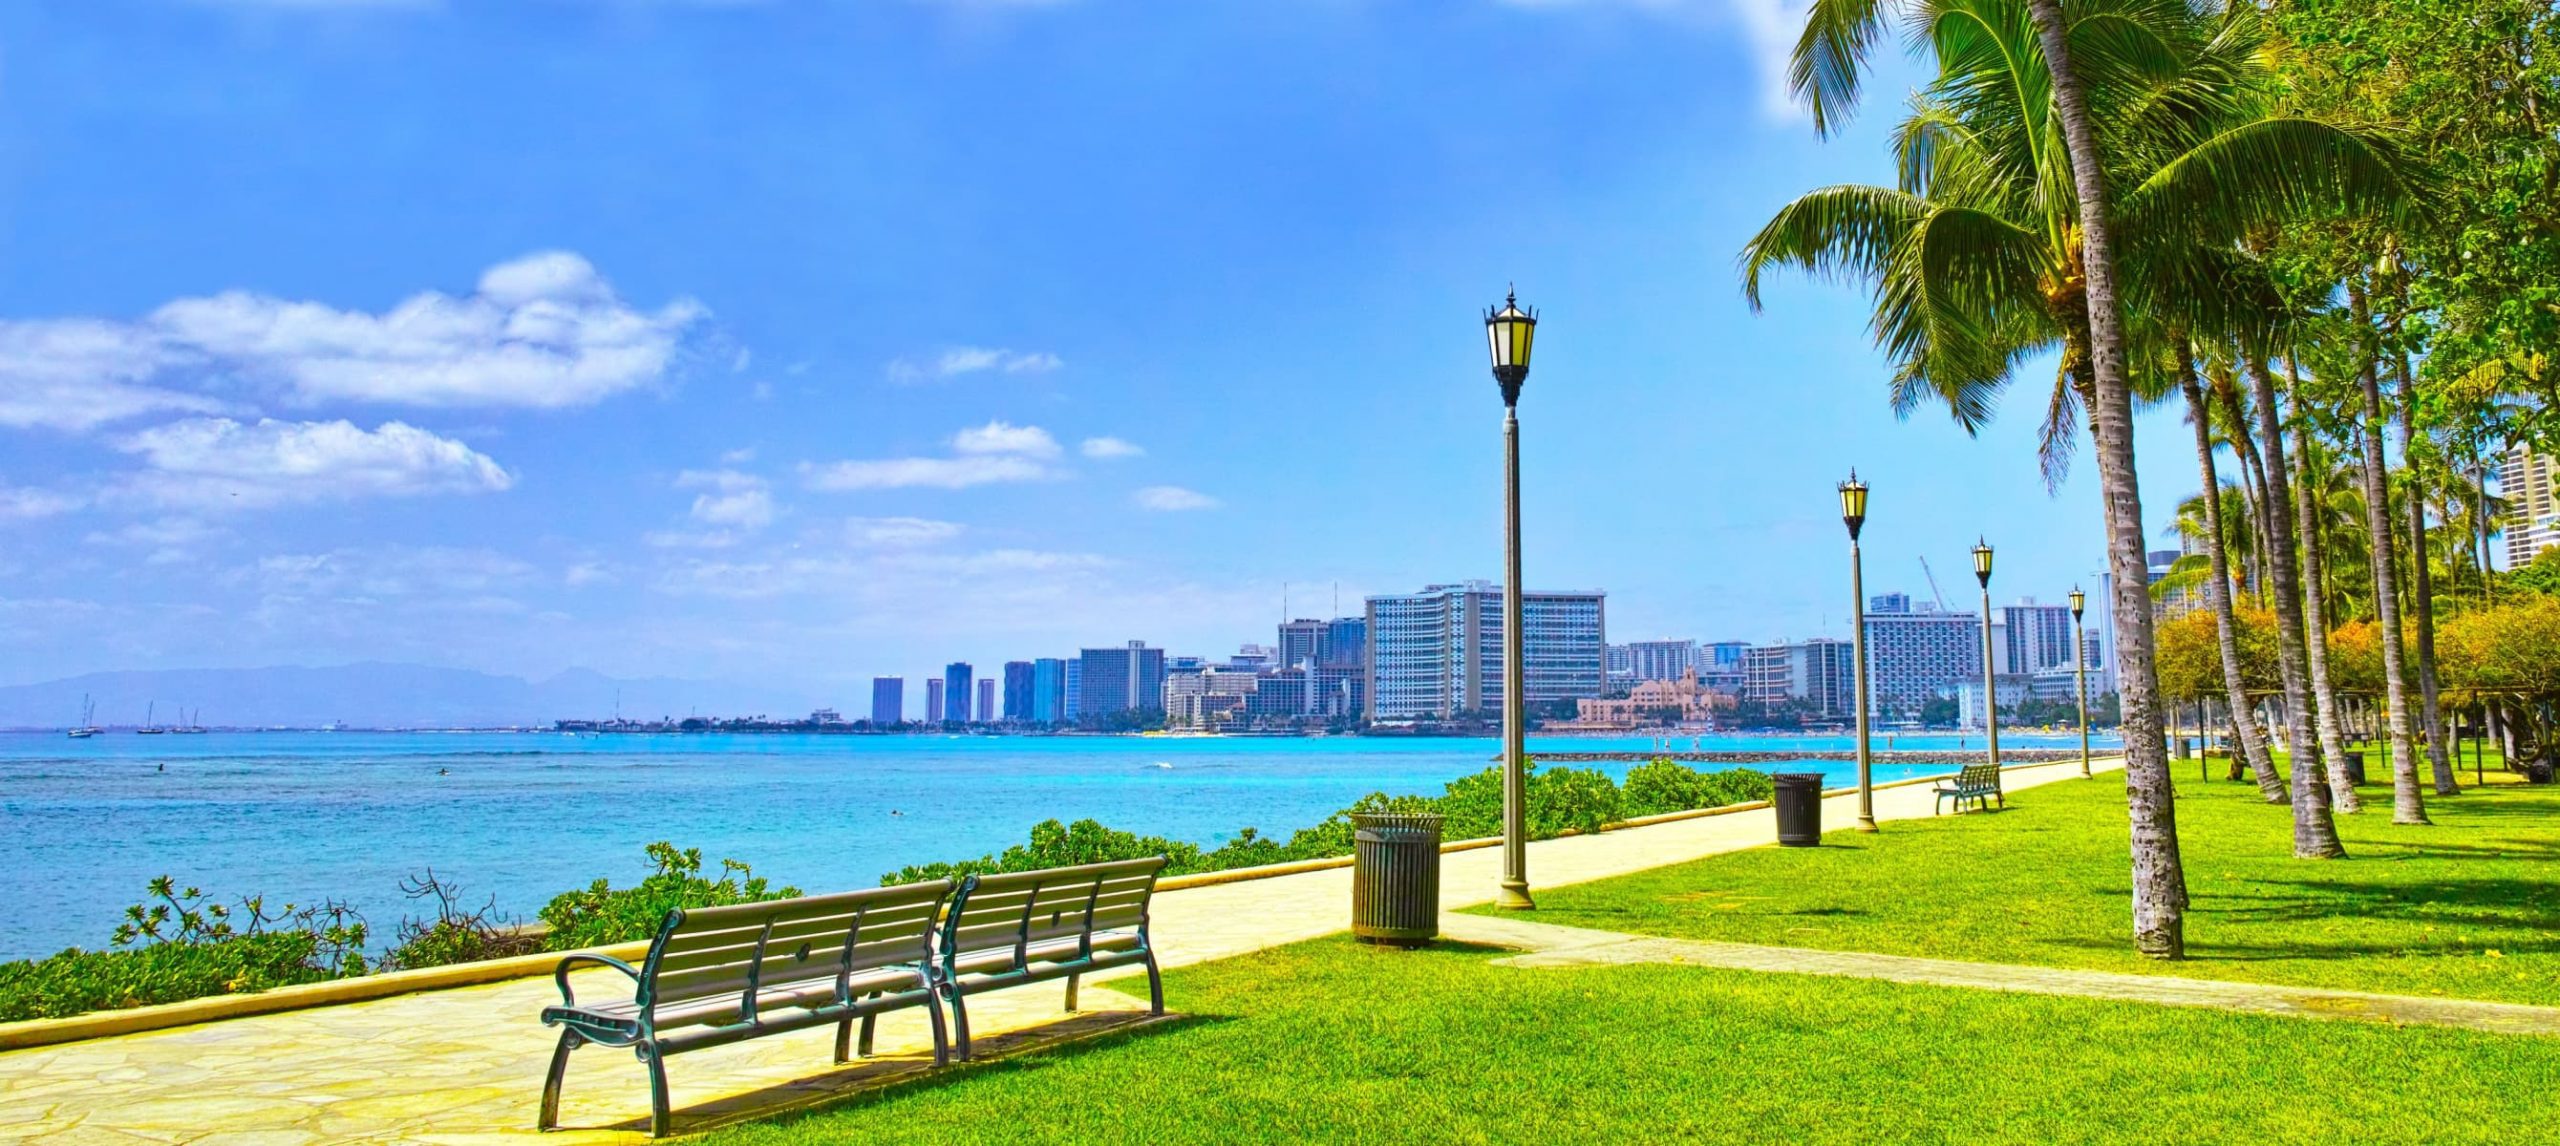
<point x="1662" y="660"/>
<point x="2530" y="483"/>
<point x="933" y="700"/>
<point x="1619" y="662"/>
<point x="955" y="693"/>
<point x="1018" y="686"/>
<point x="1918" y="653"/>
<point x="1439" y="652"/>
<point x="986" y="700"/>
<point x="888" y="700"/>
<point x="1049" y="690"/>
<point x="1722" y="656"/>
<point x="1211" y="698"/>
<point x="1889" y="603"/>
<point x="1121" y="680"/>
<point x="2033" y="637"/>
<point x="1346" y="642"/>
<point x="1301" y="642"/>
<point x="1073" y="703"/>
<point x="1818" y="672"/>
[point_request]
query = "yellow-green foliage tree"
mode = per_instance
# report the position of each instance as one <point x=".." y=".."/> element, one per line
<point x="2191" y="665"/>
<point x="2507" y="658"/>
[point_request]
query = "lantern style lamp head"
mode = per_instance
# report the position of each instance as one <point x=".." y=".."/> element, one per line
<point x="2079" y="600"/>
<point x="1509" y="331"/>
<point x="1982" y="562"/>
<point x="1853" y="504"/>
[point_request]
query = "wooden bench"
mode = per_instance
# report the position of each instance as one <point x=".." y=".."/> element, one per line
<point x="1033" y="926"/>
<point x="1979" y="783"/>
<point x="718" y="975"/>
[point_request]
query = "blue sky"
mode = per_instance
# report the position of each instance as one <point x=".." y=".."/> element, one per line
<point x="795" y="342"/>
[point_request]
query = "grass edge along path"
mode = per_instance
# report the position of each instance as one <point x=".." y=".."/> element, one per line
<point x="1333" y="1039"/>
<point x="2466" y="907"/>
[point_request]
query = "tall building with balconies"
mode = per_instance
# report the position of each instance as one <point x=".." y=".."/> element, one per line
<point x="1438" y="652"/>
<point x="1662" y="660"/>
<point x="1049" y="690"/>
<point x="2530" y="483"/>
<point x="888" y="700"/>
<point x="1017" y="690"/>
<point x="933" y="700"/>
<point x="1119" y="680"/>
<point x="955" y="692"/>
<point x="1919" y="652"/>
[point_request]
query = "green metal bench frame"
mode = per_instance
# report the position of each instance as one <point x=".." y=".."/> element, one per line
<point x="717" y="975"/>
<point x="1029" y="927"/>
<point x="1979" y="783"/>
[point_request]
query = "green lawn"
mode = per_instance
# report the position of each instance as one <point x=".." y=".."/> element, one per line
<point x="1332" y="1041"/>
<point x="2469" y="907"/>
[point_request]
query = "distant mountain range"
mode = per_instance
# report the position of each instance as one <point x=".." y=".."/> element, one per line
<point x="377" y="695"/>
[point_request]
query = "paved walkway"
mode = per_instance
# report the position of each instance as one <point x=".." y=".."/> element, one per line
<point x="1548" y="945"/>
<point x="464" y="1066"/>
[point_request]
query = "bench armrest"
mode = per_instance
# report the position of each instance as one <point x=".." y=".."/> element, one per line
<point x="561" y="974"/>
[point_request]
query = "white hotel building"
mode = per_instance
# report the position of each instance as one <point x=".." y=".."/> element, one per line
<point x="1438" y="652"/>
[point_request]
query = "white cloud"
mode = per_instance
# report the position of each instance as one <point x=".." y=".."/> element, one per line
<point x="1000" y="437"/>
<point x="18" y="503"/>
<point x="448" y="575"/>
<point x="78" y="374"/>
<point x="734" y="504"/>
<point x="1111" y="448"/>
<point x="987" y="455"/>
<point x="738" y="457"/>
<point x="217" y="462"/>
<point x="588" y="573"/>
<point x="542" y="331"/>
<point x="960" y="360"/>
<point x="1172" y="498"/>
<point x="900" y="531"/>
<point x="934" y="473"/>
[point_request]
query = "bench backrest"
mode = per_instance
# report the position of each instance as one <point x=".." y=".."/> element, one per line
<point x="1979" y="776"/>
<point x="1026" y="908"/>
<point x="742" y="950"/>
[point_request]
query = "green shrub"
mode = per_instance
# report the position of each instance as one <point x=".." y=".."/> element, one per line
<point x="600" y="914"/>
<point x="456" y="934"/>
<point x="184" y="944"/>
<point x="1667" y="785"/>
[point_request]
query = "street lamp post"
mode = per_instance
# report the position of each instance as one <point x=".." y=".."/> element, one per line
<point x="2080" y="663"/>
<point x="1990" y="681"/>
<point x="1508" y="332"/>
<point x="1853" y="512"/>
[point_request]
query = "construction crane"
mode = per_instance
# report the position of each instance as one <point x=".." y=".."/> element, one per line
<point x="1934" y="591"/>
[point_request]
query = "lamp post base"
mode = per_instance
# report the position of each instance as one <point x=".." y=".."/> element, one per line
<point x="1867" y="824"/>
<point x="1514" y="895"/>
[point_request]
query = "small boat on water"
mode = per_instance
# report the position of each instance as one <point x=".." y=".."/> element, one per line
<point x="190" y="725"/>
<point x="149" y="726"/>
<point x="88" y="719"/>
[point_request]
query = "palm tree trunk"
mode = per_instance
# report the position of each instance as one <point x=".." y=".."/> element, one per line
<point x="2159" y="875"/>
<point x="2407" y="806"/>
<point x="2253" y="484"/>
<point x="2253" y="743"/>
<point x="2315" y="834"/>
<point x="2424" y="605"/>
<point x="2315" y="624"/>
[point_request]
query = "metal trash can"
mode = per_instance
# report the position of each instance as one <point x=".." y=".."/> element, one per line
<point x="2186" y="748"/>
<point x="1799" y="802"/>
<point x="2354" y="766"/>
<point x="1395" y="877"/>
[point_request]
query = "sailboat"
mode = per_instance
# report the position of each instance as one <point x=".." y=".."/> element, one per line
<point x="189" y="725"/>
<point x="148" y="727"/>
<point x="88" y="719"/>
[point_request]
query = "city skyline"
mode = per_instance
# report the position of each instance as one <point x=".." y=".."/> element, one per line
<point x="698" y="403"/>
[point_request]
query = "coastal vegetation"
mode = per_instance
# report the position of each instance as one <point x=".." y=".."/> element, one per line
<point x="185" y="943"/>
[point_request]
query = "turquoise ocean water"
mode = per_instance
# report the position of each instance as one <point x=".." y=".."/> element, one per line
<point x="522" y="816"/>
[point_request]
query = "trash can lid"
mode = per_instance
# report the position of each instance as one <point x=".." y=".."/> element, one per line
<point x="1795" y="778"/>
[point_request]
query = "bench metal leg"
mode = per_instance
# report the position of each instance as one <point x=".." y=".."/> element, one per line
<point x="868" y="1022"/>
<point x="959" y="1019"/>
<point x="844" y="1039"/>
<point x="1155" y="985"/>
<point x="659" y="1120"/>
<point x="1071" y="993"/>
<point x="550" y="1117"/>
<point x="941" y="1039"/>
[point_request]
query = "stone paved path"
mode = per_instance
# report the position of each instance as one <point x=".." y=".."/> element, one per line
<point x="1548" y="945"/>
<point x="464" y="1066"/>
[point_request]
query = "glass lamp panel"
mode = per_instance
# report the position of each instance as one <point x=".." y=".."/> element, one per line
<point x="1493" y="339"/>
<point x="1522" y="331"/>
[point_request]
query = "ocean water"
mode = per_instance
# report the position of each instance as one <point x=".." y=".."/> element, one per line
<point x="299" y="816"/>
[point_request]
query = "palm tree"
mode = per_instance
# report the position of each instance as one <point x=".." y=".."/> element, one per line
<point x="2244" y="720"/>
<point x="2000" y="242"/>
<point x="2407" y="806"/>
<point x="2315" y="834"/>
<point x="2315" y="610"/>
